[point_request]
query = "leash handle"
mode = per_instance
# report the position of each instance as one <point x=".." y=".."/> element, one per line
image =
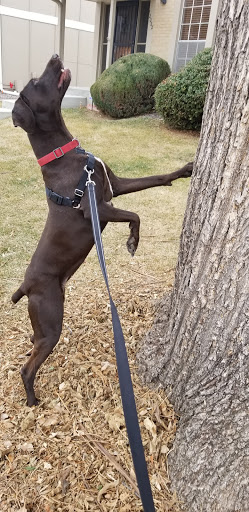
<point x="126" y="388"/>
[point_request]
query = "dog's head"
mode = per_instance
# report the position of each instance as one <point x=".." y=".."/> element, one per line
<point x="39" y="104"/>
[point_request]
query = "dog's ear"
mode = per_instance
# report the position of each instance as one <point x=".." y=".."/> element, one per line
<point x="23" y="116"/>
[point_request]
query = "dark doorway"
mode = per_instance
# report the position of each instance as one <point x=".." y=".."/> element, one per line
<point x="125" y="29"/>
<point x="130" y="31"/>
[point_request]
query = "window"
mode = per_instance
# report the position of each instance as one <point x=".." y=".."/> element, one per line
<point x="143" y="26"/>
<point x="193" y="30"/>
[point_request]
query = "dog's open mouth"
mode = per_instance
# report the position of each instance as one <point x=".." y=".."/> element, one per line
<point x="65" y="76"/>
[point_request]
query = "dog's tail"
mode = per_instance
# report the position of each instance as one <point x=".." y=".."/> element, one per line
<point x="17" y="295"/>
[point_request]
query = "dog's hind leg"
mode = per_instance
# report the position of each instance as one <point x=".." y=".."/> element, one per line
<point x="46" y="314"/>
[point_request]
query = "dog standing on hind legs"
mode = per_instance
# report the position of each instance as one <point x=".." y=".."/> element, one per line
<point x="67" y="237"/>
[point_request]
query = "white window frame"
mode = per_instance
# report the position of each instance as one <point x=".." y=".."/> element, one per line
<point x="193" y="46"/>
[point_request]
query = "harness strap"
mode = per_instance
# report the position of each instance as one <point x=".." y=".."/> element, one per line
<point x="79" y="191"/>
<point x="57" y="199"/>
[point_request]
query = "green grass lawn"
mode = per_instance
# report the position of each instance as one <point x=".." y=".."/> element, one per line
<point x="132" y="147"/>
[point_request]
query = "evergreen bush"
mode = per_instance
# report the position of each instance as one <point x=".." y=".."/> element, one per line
<point x="127" y="87"/>
<point x="180" y="98"/>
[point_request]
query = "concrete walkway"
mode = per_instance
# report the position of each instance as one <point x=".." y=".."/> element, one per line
<point x="75" y="97"/>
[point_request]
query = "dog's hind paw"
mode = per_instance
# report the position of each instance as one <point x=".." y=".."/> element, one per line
<point x="33" y="401"/>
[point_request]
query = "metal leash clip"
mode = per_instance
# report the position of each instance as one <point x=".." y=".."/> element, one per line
<point x="89" y="172"/>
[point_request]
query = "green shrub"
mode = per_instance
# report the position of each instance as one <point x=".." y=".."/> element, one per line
<point x="127" y="87"/>
<point x="180" y="98"/>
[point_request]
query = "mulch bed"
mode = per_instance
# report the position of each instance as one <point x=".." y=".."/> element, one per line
<point x="71" y="452"/>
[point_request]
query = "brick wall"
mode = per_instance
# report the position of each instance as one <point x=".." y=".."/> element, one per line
<point x="163" y="28"/>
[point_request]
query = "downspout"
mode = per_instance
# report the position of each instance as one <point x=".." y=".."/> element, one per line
<point x="1" y="69"/>
<point x="61" y="21"/>
<point x="110" y="33"/>
<point x="211" y="31"/>
<point x="62" y="28"/>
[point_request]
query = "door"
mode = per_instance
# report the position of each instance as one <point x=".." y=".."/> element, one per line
<point x="125" y="29"/>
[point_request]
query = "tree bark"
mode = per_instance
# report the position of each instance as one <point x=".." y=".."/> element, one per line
<point x="198" y="348"/>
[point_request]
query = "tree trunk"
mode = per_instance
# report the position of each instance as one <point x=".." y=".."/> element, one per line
<point x="198" y="347"/>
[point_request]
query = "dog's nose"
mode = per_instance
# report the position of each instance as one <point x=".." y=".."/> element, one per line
<point x="55" y="56"/>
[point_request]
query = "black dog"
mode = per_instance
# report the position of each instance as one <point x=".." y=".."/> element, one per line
<point x="67" y="237"/>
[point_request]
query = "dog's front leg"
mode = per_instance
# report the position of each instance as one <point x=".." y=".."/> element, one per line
<point x="108" y="213"/>
<point x="122" y="186"/>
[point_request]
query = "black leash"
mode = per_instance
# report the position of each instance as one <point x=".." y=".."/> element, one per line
<point x="126" y="388"/>
<point x="125" y="382"/>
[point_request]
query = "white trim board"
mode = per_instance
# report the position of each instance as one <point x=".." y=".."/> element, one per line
<point x="1" y="70"/>
<point x="44" y="18"/>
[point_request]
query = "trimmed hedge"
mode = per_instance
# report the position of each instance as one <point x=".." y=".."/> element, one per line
<point x="180" y="98"/>
<point x="127" y="87"/>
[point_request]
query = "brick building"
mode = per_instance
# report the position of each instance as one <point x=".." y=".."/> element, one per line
<point x="99" y="32"/>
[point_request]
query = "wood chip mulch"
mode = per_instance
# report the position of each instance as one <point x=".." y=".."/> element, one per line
<point x="71" y="454"/>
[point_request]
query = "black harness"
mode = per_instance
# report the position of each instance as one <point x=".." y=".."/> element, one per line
<point x="79" y="191"/>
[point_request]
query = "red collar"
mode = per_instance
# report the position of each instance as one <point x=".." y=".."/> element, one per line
<point x="58" y="152"/>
